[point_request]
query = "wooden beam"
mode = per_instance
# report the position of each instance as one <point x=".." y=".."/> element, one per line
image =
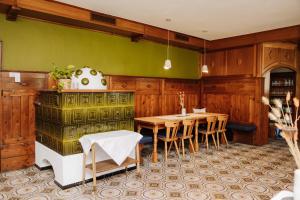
<point x="12" y="13"/>
<point x="136" y="37"/>
<point x="291" y="33"/>
<point x="53" y="11"/>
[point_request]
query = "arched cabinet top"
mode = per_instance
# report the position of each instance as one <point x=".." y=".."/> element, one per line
<point x="278" y="54"/>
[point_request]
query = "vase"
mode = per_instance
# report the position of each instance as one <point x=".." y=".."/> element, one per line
<point x="297" y="184"/>
<point x="183" y="111"/>
<point x="64" y="84"/>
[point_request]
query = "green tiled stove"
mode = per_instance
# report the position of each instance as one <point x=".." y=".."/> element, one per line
<point x="63" y="117"/>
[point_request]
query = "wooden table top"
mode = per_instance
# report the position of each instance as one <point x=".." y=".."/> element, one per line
<point x="156" y="120"/>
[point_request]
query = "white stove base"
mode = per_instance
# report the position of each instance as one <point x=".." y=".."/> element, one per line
<point x="68" y="169"/>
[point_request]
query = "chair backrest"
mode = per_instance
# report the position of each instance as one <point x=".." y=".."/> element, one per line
<point x="172" y="128"/>
<point x="188" y="125"/>
<point x="222" y="122"/>
<point x="211" y="124"/>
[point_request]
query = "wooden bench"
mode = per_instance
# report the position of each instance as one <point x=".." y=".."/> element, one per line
<point x="242" y="132"/>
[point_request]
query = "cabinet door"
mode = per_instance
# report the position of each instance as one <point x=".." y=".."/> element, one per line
<point x="287" y="57"/>
<point x="17" y="129"/>
<point x="216" y="63"/>
<point x="240" y="61"/>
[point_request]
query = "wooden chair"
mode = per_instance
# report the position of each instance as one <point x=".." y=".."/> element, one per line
<point x="187" y="134"/>
<point x="211" y="126"/>
<point x="170" y="136"/>
<point x="222" y="122"/>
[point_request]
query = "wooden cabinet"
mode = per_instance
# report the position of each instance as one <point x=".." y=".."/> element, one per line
<point x="278" y="55"/>
<point x="216" y="62"/>
<point x="17" y="129"/>
<point x="240" y="61"/>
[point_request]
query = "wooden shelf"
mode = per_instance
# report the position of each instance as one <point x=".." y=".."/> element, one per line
<point x="110" y="164"/>
<point x="285" y="86"/>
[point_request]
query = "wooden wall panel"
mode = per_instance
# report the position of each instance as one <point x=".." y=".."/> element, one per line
<point x="240" y="61"/>
<point x="216" y="62"/>
<point x="156" y="96"/>
<point x="237" y="61"/>
<point x="240" y="97"/>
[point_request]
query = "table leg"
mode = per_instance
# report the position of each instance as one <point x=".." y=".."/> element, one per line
<point x="83" y="168"/>
<point x="137" y="152"/>
<point x="154" y="154"/>
<point x="94" y="166"/>
<point x="139" y="128"/>
<point x="196" y="137"/>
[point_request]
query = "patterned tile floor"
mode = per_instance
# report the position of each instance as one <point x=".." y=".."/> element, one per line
<point x="240" y="172"/>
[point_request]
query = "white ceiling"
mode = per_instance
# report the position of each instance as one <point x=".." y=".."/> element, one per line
<point x="220" y="18"/>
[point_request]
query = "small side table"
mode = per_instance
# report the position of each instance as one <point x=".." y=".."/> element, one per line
<point x="111" y="143"/>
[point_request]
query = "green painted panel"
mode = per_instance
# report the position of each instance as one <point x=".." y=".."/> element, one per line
<point x="36" y="45"/>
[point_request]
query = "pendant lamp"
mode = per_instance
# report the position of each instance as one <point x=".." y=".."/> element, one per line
<point x="168" y="64"/>
<point x="204" y="68"/>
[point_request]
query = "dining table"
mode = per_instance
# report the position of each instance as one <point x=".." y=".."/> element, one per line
<point x="156" y="123"/>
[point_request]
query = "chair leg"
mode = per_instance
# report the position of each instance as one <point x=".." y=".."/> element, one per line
<point x="213" y="137"/>
<point x="191" y="143"/>
<point x="225" y="138"/>
<point x="170" y="147"/>
<point x="166" y="151"/>
<point x="206" y="140"/>
<point x="182" y="143"/>
<point x="202" y="139"/>
<point x="177" y="149"/>
<point x="218" y="140"/>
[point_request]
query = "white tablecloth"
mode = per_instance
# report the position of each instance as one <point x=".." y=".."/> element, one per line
<point x="117" y="144"/>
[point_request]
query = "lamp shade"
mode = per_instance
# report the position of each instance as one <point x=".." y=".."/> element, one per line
<point x="168" y="64"/>
<point x="204" y="69"/>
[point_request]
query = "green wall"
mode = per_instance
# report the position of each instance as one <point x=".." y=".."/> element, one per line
<point x="32" y="45"/>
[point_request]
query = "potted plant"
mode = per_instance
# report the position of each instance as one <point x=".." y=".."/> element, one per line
<point x="63" y="75"/>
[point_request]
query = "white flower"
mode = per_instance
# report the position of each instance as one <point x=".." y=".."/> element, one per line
<point x="277" y="103"/>
<point x="272" y="117"/>
<point x="265" y="100"/>
<point x="276" y="112"/>
<point x="287" y="118"/>
<point x="288" y="97"/>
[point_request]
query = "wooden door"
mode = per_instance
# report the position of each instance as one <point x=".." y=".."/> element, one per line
<point x="17" y="131"/>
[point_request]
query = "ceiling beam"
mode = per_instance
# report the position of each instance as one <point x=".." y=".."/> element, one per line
<point x="12" y="13"/>
<point x="291" y="33"/>
<point x="62" y="13"/>
<point x="136" y="37"/>
<point x="66" y="14"/>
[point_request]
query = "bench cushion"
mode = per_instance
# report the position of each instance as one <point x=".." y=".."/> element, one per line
<point x="146" y="139"/>
<point x="244" y="127"/>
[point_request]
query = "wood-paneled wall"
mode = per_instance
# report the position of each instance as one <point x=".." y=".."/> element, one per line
<point x="240" y="98"/>
<point x="154" y="96"/>
<point x="237" y="61"/>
